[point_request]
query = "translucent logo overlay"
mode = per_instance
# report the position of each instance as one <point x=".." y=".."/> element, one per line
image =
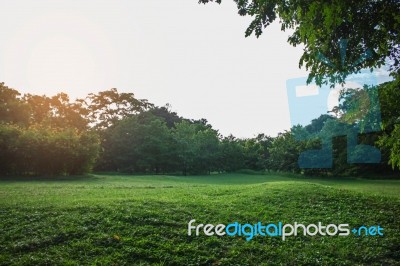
<point x="353" y="109"/>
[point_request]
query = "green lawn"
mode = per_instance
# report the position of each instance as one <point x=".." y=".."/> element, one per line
<point x="117" y="220"/>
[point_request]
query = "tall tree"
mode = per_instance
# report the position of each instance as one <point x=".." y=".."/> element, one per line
<point x="389" y="94"/>
<point x="184" y="134"/>
<point x="56" y="112"/>
<point x="284" y="152"/>
<point x="107" y="107"/>
<point x="12" y="108"/>
<point x="231" y="156"/>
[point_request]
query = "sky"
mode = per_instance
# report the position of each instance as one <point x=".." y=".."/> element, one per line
<point x="194" y="57"/>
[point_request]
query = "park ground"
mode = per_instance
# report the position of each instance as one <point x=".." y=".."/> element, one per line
<point x="108" y="219"/>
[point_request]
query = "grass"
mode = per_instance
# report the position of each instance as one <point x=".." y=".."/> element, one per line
<point x="125" y="220"/>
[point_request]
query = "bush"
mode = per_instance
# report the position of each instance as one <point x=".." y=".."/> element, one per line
<point x="46" y="151"/>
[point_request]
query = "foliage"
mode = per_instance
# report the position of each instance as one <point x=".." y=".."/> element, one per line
<point x="105" y="108"/>
<point x="231" y="156"/>
<point x="55" y="112"/>
<point x="140" y="144"/>
<point x="12" y="109"/>
<point x="369" y="27"/>
<point x="42" y="135"/>
<point x="285" y="152"/>
<point x="45" y="151"/>
<point x="389" y="96"/>
<point x="52" y="135"/>
<point x="392" y="142"/>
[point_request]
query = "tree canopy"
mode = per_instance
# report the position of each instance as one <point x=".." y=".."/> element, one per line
<point x="113" y="131"/>
<point x="339" y="37"/>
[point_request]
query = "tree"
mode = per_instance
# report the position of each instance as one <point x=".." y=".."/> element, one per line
<point x="56" y="112"/>
<point x="389" y="95"/>
<point x="166" y="114"/>
<point x="12" y="108"/>
<point x="256" y="152"/>
<point x="392" y="142"/>
<point x="284" y="153"/>
<point x="39" y="150"/>
<point x="184" y="134"/>
<point x="206" y="146"/>
<point x="9" y="135"/>
<point x="231" y="157"/>
<point x="140" y="143"/>
<point x="377" y="120"/>
<point x="367" y="29"/>
<point x="105" y="108"/>
<point x="157" y="151"/>
<point x="44" y="135"/>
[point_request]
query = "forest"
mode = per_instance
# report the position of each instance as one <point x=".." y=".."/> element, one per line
<point x="112" y="131"/>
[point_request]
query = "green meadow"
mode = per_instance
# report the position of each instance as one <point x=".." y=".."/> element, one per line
<point x="140" y="220"/>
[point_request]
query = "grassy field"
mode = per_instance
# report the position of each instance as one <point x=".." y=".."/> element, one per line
<point x="126" y="220"/>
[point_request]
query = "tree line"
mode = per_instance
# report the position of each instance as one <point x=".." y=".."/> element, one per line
<point x="113" y="131"/>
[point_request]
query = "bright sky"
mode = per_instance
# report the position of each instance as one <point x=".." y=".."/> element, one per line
<point x="193" y="56"/>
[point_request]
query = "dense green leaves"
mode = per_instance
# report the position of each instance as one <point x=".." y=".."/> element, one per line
<point x="392" y="142"/>
<point x="390" y="101"/>
<point x="140" y="144"/>
<point x="46" y="151"/>
<point x="145" y="144"/>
